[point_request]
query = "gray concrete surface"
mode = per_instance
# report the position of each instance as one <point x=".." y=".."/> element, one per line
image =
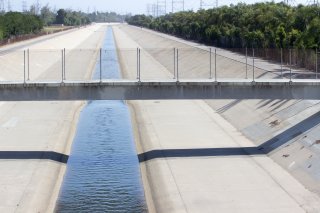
<point x="36" y="137"/>
<point x="154" y="90"/>
<point x="260" y="121"/>
<point x="177" y="142"/>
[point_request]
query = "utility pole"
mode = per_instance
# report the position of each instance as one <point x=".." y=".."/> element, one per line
<point x="177" y="5"/>
<point x="290" y="2"/>
<point x="148" y="10"/>
<point x="9" y="6"/>
<point x="313" y="2"/>
<point x="161" y="7"/>
<point x="152" y="10"/>
<point x="37" y="7"/>
<point x="2" y="9"/>
<point x="24" y="6"/>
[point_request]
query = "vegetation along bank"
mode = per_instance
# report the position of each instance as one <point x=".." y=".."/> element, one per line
<point x="260" y="25"/>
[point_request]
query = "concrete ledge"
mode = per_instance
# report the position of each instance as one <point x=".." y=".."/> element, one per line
<point x="152" y="90"/>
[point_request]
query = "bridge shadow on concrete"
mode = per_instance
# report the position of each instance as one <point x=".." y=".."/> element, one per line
<point x="264" y="149"/>
<point x="34" y="155"/>
<point x="205" y="152"/>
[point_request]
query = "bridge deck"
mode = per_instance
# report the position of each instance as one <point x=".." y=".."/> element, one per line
<point x="152" y="90"/>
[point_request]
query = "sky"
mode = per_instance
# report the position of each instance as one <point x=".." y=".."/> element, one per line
<point x="122" y="6"/>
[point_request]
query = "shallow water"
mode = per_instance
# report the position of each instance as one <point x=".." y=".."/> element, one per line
<point x="103" y="172"/>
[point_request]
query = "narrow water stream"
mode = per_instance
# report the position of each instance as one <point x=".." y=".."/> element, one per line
<point x="103" y="170"/>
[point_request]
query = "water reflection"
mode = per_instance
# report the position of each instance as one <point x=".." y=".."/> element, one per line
<point x="103" y="171"/>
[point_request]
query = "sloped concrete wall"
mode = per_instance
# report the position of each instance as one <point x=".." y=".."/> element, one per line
<point x="287" y="129"/>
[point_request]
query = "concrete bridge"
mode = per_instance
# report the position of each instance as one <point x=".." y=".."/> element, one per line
<point x="153" y="90"/>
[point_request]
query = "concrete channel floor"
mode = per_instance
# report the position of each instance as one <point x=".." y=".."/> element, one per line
<point x="36" y="136"/>
<point x="190" y="183"/>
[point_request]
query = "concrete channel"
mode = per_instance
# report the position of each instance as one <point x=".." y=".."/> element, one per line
<point x="194" y="155"/>
<point x="190" y="149"/>
<point x="103" y="172"/>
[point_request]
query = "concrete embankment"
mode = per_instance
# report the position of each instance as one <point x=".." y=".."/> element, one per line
<point x="36" y="137"/>
<point x="287" y="129"/>
<point x="194" y="154"/>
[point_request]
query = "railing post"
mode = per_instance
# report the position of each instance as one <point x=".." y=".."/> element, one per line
<point x="316" y="63"/>
<point x="177" y="65"/>
<point x="290" y="61"/>
<point x="28" y="65"/>
<point x="100" y="65"/>
<point x="64" y="64"/>
<point x="210" y="76"/>
<point x="281" y="55"/>
<point x="139" y="65"/>
<point x="253" y="65"/>
<point x="174" y="63"/>
<point x="62" y="78"/>
<point x="246" y="63"/>
<point x="215" y="65"/>
<point x="24" y="66"/>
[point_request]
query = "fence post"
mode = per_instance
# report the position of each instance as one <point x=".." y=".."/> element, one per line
<point x="174" y="63"/>
<point x="246" y="63"/>
<point x="100" y="65"/>
<point x="177" y="65"/>
<point x="253" y="65"/>
<point x="28" y="65"/>
<point x="281" y="55"/>
<point x="290" y="62"/>
<point x="215" y="65"/>
<point x="210" y="76"/>
<point x="24" y="66"/>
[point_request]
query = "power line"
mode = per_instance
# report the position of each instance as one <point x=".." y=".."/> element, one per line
<point x="24" y="6"/>
<point x="161" y="7"/>
<point x="2" y="9"/>
<point x="313" y="2"/>
<point x="37" y="7"/>
<point x="208" y="4"/>
<point x="9" y="6"/>
<point x="290" y="2"/>
<point x="151" y="10"/>
<point x="177" y="5"/>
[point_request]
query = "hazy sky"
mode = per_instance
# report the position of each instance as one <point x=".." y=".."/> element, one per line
<point x="121" y="6"/>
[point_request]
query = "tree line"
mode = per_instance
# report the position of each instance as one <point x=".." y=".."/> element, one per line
<point x="15" y="24"/>
<point x="33" y="20"/>
<point x="260" y="25"/>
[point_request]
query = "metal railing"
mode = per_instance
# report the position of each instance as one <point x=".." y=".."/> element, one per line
<point x="161" y="63"/>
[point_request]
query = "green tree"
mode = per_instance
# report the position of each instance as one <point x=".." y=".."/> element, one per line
<point x="61" y="15"/>
<point x="47" y="15"/>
